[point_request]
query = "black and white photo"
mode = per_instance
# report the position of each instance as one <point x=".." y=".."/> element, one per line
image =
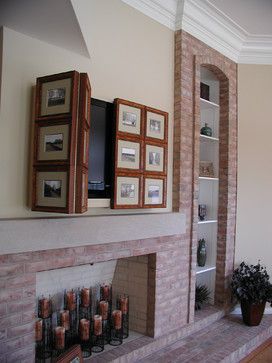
<point x="127" y="190"/>
<point x="154" y="158"/>
<point x="128" y="154"/>
<point x="129" y="119"/>
<point x="154" y="193"/>
<point x="52" y="188"/>
<point x="53" y="142"/>
<point x="56" y="97"/>
<point x="155" y="126"/>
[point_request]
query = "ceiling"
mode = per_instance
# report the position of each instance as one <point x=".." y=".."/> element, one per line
<point x="52" y="21"/>
<point x="254" y="16"/>
<point x="239" y="29"/>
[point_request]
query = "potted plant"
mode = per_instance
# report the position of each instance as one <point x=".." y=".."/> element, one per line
<point x="202" y="296"/>
<point x="250" y="284"/>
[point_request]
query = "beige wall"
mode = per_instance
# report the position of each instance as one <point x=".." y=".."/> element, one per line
<point x="253" y="240"/>
<point x="132" y="57"/>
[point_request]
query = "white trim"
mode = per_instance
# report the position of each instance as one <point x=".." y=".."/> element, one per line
<point x="162" y="11"/>
<point x="207" y="23"/>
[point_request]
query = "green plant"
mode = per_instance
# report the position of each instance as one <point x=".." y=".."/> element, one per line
<point x="251" y="283"/>
<point x="202" y="296"/>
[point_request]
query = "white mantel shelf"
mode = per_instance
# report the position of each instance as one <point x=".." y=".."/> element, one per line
<point x="41" y="234"/>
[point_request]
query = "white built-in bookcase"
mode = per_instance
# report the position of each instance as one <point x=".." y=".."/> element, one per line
<point x="208" y="187"/>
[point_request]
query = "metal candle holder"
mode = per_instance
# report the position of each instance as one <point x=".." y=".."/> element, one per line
<point x="123" y="305"/>
<point x="71" y="304"/>
<point x="116" y="332"/>
<point x="85" y="337"/>
<point x="97" y="334"/>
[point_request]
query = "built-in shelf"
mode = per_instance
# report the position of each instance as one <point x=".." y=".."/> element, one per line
<point x="200" y="270"/>
<point x="208" y="178"/>
<point x="208" y="138"/>
<point x="208" y="221"/>
<point x="208" y="104"/>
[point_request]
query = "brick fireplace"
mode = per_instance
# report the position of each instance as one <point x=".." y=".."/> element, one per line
<point x="167" y="284"/>
<point x="167" y="242"/>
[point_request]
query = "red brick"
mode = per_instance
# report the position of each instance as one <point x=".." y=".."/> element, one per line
<point x="21" y="354"/>
<point x="20" y="330"/>
<point x="8" y="270"/>
<point x="10" y="320"/>
<point x="10" y="295"/>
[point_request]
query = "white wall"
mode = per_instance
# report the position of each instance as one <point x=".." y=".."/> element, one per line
<point x="254" y="239"/>
<point x="132" y="57"/>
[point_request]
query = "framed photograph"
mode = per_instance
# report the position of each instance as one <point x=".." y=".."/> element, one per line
<point x="154" y="192"/>
<point x="127" y="192"/>
<point x="128" y="154"/>
<point x="129" y="117"/>
<point x="154" y="158"/>
<point x="56" y="95"/>
<point x="72" y="355"/>
<point x="156" y="124"/>
<point x="206" y="169"/>
<point x="51" y="191"/>
<point x="52" y="142"/>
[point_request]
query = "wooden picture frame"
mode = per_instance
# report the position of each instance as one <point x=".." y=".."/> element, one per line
<point x="156" y="125"/>
<point x="83" y="139"/>
<point x="151" y="138"/>
<point x="52" y="189"/>
<point x="155" y="158"/>
<point x="128" y="154"/>
<point x="129" y="117"/>
<point x="72" y="355"/>
<point x="57" y="96"/>
<point x="127" y="191"/>
<point x="53" y="142"/>
<point x="154" y="191"/>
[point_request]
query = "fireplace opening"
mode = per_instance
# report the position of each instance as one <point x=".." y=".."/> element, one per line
<point x="130" y="276"/>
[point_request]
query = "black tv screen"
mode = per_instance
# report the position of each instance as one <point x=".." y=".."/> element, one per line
<point x="100" y="149"/>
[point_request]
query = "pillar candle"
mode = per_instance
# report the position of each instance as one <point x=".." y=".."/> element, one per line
<point x="103" y="308"/>
<point x="84" y="329"/>
<point x="59" y="337"/>
<point x="85" y="297"/>
<point x="45" y="308"/>
<point x="123" y="301"/>
<point x="105" y="289"/>
<point x="117" y="319"/>
<point x="97" y="325"/>
<point x="65" y="319"/>
<point x="38" y="330"/>
<point x="71" y="300"/>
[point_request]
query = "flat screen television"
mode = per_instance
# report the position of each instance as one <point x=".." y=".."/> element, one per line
<point x="100" y="149"/>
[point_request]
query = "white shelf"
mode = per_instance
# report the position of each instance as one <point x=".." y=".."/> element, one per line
<point x="201" y="270"/>
<point x="208" y="178"/>
<point x="208" y="104"/>
<point x="208" y="221"/>
<point x="208" y="138"/>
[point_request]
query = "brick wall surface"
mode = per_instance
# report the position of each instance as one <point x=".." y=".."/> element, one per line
<point x="167" y="283"/>
<point x="190" y="54"/>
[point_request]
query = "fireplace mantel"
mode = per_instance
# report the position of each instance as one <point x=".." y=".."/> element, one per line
<point x="51" y="233"/>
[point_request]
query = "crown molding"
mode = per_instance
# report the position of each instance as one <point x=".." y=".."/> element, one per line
<point x="162" y="11"/>
<point x="209" y="24"/>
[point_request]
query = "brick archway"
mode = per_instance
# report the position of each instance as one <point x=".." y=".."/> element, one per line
<point x="190" y="55"/>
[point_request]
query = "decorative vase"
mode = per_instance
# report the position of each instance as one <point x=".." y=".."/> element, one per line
<point x="252" y="313"/>
<point x="202" y="211"/>
<point x="201" y="253"/>
<point x="206" y="130"/>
